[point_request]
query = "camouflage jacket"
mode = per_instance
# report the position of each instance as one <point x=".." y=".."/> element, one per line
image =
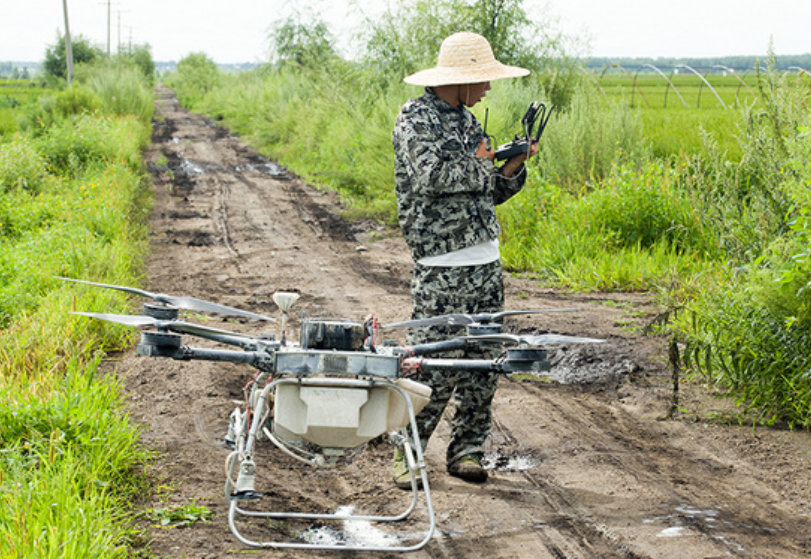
<point x="446" y="196"/>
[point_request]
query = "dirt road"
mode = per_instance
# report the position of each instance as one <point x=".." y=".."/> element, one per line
<point x="582" y="467"/>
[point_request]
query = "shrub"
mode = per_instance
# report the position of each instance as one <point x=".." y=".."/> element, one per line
<point x="642" y="208"/>
<point x="77" y="100"/>
<point x="196" y="75"/>
<point x="583" y="144"/>
<point x="750" y="334"/>
<point x="123" y="90"/>
<point x="21" y="166"/>
<point x="73" y="145"/>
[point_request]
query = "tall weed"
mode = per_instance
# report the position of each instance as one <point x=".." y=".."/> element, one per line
<point x="586" y="141"/>
<point x="631" y="232"/>
<point x="72" y="204"/>
<point x="73" y="145"/>
<point x="22" y="167"/>
<point x="122" y="90"/>
<point x="750" y="334"/>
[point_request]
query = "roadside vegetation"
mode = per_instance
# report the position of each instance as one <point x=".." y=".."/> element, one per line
<point x="706" y="207"/>
<point x="73" y="198"/>
<point x="699" y="198"/>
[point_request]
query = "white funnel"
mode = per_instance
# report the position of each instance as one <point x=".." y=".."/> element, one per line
<point x="284" y="301"/>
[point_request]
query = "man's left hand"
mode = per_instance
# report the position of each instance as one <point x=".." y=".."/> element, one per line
<point x="485" y="151"/>
<point x="513" y="163"/>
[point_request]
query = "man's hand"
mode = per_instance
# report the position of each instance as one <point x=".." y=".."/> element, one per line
<point x="513" y="163"/>
<point x="485" y="150"/>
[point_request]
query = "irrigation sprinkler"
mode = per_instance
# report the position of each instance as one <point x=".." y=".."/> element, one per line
<point x="742" y="82"/>
<point x="800" y="71"/>
<point x="704" y="81"/>
<point x="596" y="82"/>
<point x="670" y="83"/>
<point x="636" y="85"/>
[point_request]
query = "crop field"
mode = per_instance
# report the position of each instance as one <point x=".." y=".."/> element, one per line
<point x="13" y="95"/>
<point x="684" y="89"/>
<point x="678" y="106"/>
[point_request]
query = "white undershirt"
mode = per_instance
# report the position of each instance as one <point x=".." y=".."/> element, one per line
<point x="482" y="253"/>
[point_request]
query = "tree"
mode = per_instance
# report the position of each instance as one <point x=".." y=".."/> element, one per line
<point x="141" y="56"/>
<point x="55" y="64"/>
<point x="196" y="75"/>
<point x="408" y="36"/>
<point x="305" y="44"/>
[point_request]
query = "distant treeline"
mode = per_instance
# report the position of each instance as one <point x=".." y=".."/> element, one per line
<point x="740" y="63"/>
<point x="171" y="66"/>
<point x="24" y="70"/>
<point x="19" y="70"/>
<point x="783" y="62"/>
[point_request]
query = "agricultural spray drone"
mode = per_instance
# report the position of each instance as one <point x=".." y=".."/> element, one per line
<point x="332" y="391"/>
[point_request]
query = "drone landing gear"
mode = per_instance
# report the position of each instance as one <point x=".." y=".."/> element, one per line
<point x="327" y="419"/>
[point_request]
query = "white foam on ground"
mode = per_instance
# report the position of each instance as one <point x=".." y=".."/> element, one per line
<point x="674" y="532"/>
<point x="355" y="533"/>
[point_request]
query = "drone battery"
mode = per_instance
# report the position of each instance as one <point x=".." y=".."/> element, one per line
<point x="338" y="334"/>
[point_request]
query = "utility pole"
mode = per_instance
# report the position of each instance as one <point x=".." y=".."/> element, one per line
<point x="108" y="28"/>
<point x="109" y="24"/>
<point x="68" y="45"/>
<point x="120" y="43"/>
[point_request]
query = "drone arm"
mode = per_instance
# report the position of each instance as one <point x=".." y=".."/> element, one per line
<point x="259" y="359"/>
<point x="438" y="347"/>
<point x="513" y="361"/>
<point x="415" y="365"/>
<point x="238" y="341"/>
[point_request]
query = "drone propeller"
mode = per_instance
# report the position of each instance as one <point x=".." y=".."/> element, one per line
<point x="188" y="303"/>
<point x="174" y="325"/>
<point x="542" y="339"/>
<point x="466" y="319"/>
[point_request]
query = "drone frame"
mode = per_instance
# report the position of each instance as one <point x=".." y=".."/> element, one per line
<point x="365" y="375"/>
<point x="241" y="490"/>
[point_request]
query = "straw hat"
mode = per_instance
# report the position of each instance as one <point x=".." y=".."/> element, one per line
<point x="465" y="58"/>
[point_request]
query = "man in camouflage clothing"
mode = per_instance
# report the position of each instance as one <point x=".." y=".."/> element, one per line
<point x="447" y="190"/>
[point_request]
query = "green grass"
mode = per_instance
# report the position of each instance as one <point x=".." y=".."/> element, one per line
<point x="181" y="516"/>
<point x="70" y="456"/>
<point x="14" y="96"/>
<point x="72" y="203"/>
<point x="680" y="91"/>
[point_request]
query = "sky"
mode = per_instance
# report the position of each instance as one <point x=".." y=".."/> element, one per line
<point x="235" y="31"/>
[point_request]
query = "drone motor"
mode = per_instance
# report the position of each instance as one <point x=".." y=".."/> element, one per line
<point x="526" y="359"/>
<point x="158" y="344"/>
<point x="484" y="329"/>
<point x="159" y="311"/>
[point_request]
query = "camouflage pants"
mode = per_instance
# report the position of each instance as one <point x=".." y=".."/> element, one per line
<point x="436" y="291"/>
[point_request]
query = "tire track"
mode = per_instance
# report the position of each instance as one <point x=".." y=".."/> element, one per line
<point x="666" y="482"/>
